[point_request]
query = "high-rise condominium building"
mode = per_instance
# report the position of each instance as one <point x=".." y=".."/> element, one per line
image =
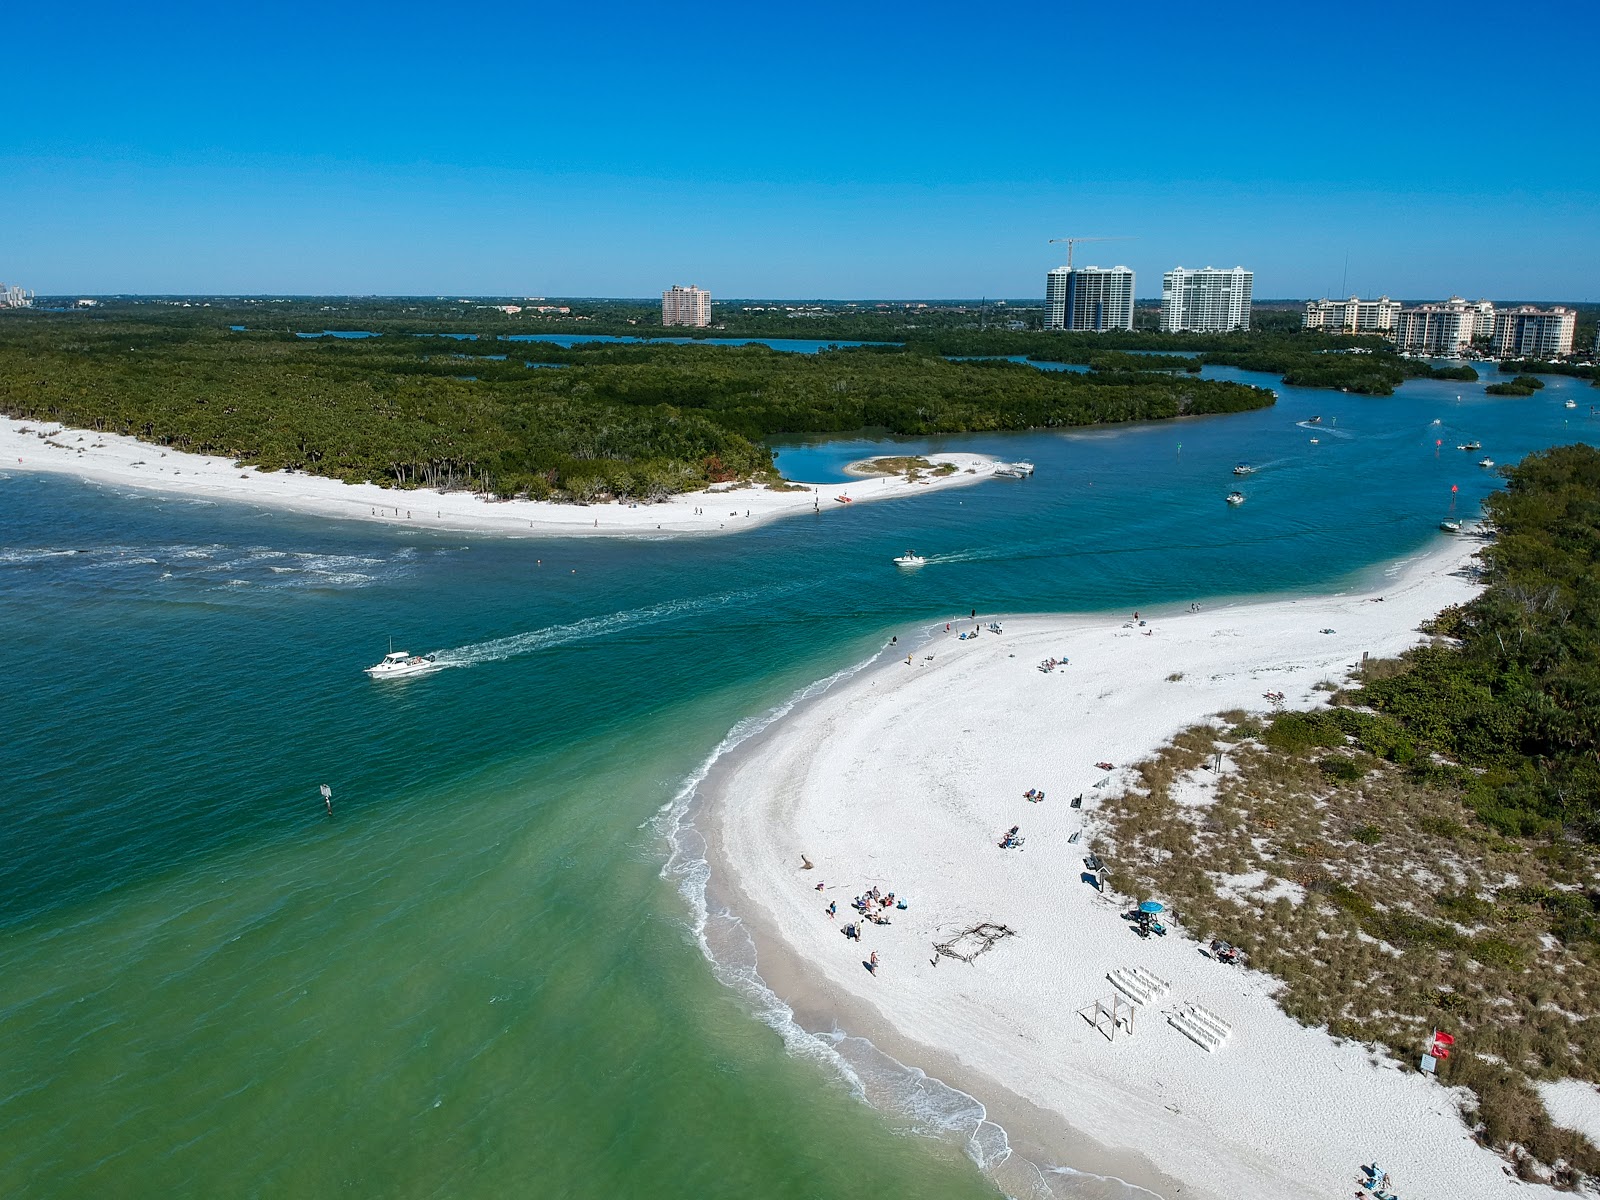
<point x="1530" y="332"/>
<point x="15" y="297"/>
<point x="1445" y="329"/>
<point x="1206" y="301"/>
<point x="1483" y="319"/>
<point x="1093" y="299"/>
<point x="685" y="306"/>
<point x="1353" y="315"/>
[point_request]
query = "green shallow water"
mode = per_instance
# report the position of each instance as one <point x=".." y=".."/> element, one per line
<point x="474" y="980"/>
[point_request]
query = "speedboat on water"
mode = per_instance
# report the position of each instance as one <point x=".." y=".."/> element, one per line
<point x="1313" y="420"/>
<point x="1235" y="497"/>
<point x="1244" y="469"/>
<point x="1450" y="526"/>
<point x="909" y="559"/>
<point x="1016" y="470"/>
<point x="1572" y="404"/>
<point x="1470" y="446"/>
<point x="398" y="663"/>
<point x="1486" y="462"/>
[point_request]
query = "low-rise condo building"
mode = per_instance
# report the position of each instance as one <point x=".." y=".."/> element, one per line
<point x="1089" y="299"/>
<point x="1206" y="301"/>
<point x="1529" y="332"/>
<point x="686" y="306"/>
<point x="1353" y="315"/>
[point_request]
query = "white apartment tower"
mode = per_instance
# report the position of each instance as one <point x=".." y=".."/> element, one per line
<point x="15" y="297"/>
<point x="1353" y="315"/>
<point x="1206" y="301"/>
<point x="1089" y="299"/>
<point x="1445" y="329"/>
<point x="1530" y="332"/>
<point x="686" y="306"/>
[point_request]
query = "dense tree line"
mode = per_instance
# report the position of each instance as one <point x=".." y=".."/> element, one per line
<point x="1517" y="701"/>
<point x="623" y="420"/>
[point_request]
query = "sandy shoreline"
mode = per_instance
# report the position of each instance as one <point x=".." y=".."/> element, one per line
<point x="127" y="462"/>
<point x="904" y="777"/>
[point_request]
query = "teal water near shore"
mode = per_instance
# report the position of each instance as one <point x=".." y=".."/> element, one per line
<point x="472" y="980"/>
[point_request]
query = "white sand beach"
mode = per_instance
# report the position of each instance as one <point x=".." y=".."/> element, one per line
<point x="127" y="462"/>
<point x="905" y="778"/>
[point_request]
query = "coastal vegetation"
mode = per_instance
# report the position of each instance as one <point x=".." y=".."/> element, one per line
<point x="1522" y="385"/>
<point x="456" y="411"/>
<point x="911" y="466"/>
<point x="1529" y="367"/>
<point x="1425" y="854"/>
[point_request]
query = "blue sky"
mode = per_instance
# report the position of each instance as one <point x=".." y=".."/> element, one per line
<point x="818" y="150"/>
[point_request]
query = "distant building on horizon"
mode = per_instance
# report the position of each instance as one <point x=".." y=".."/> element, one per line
<point x="1529" y="332"/>
<point x="1446" y="329"/>
<point x="1088" y="299"/>
<point x="1206" y="301"/>
<point x="15" y="297"/>
<point x="686" y="306"/>
<point x="1353" y="315"/>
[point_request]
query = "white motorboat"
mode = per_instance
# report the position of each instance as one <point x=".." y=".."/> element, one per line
<point x="1450" y="526"/>
<point x="398" y="663"/>
<point x="909" y="559"/>
<point x="1470" y="446"/>
<point x="1572" y="404"/>
<point x="1244" y="469"/>
<point x="1016" y="470"/>
<point x="1235" y="497"/>
<point x="1486" y="462"/>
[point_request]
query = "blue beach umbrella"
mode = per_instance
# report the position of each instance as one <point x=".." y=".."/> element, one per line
<point x="1151" y="906"/>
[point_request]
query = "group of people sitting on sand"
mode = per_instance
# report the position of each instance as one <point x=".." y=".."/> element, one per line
<point x="872" y="904"/>
<point x="1050" y="664"/>
<point x="1033" y="795"/>
<point x="1011" y="841"/>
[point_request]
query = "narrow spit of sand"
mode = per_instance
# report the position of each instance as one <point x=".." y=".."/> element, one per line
<point x="905" y="777"/>
<point x="121" y="461"/>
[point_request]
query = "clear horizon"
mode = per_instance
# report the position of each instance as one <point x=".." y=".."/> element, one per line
<point x="403" y="151"/>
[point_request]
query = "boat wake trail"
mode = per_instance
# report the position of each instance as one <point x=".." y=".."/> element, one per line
<point x="498" y="649"/>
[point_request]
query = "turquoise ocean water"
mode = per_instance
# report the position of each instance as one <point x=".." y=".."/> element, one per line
<point x="473" y="980"/>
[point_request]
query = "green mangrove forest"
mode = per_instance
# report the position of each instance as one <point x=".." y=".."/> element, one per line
<point x="446" y="409"/>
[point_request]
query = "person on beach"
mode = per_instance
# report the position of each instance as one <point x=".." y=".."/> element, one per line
<point x="833" y="908"/>
<point x="872" y="962"/>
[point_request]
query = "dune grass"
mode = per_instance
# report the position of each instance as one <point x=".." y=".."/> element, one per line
<point x="1383" y="904"/>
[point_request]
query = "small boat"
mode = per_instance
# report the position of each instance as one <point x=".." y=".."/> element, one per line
<point x="1016" y="470"/>
<point x="1235" y="497"/>
<point x="1486" y="462"/>
<point x="1436" y="421"/>
<point x="1316" y="441"/>
<point x="909" y="559"/>
<point x="1571" y="404"/>
<point x="1470" y="446"/>
<point x="1313" y="420"/>
<point x="1244" y="469"/>
<point x="1450" y="526"/>
<point x="842" y="499"/>
<point x="398" y="663"/>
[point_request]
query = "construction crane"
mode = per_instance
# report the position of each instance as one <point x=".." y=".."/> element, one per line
<point x="1073" y="241"/>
